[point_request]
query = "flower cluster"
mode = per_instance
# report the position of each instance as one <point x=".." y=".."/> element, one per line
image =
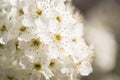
<point x="41" y="40"/>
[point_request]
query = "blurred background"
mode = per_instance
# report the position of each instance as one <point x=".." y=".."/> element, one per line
<point x="102" y="29"/>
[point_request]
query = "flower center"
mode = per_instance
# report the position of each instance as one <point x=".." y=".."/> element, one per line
<point x="58" y="18"/>
<point x="23" y="28"/>
<point x="35" y="43"/>
<point x="38" y="12"/>
<point x="37" y="66"/>
<point x="58" y="38"/>
<point x="20" y="12"/>
<point x="52" y="63"/>
<point x="3" y="28"/>
<point x="74" y="40"/>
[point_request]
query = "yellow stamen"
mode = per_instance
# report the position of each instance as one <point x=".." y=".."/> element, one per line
<point x="38" y="12"/>
<point x="22" y="28"/>
<point x="58" y="18"/>
<point x="58" y="38"/>
<point x="3" y="28"/>
<point x="74" y="40"/>
<point x="20" y="12"/>
<point x="52" y="63"/>
<point x="35" y="43"/>
<point x="37" y="66"/>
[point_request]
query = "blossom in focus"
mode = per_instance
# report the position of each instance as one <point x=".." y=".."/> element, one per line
<point x="42" y="40"/>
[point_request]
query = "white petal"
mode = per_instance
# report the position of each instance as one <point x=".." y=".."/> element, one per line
<point x="85" y="68"/>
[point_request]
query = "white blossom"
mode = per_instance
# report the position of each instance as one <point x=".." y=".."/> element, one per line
<point x="42" y="40"/>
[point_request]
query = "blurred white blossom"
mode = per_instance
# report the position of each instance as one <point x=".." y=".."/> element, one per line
<point x="102" y="25"/>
